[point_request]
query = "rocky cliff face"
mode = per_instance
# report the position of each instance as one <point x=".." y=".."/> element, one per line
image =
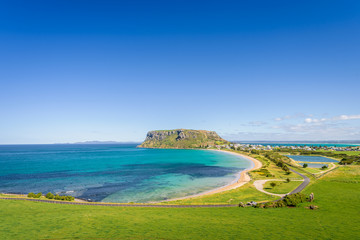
<point x="181" y="138"/>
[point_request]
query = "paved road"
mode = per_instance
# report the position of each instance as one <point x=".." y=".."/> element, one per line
<point x="302" y="185"/>
<point x="122" y="205"/>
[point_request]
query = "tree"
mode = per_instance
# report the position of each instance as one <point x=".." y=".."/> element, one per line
<point x="288" y="180"/>
<point x="272" y="184"/>
<point x="305" y="165"/>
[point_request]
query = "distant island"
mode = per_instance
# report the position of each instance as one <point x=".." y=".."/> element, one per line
<point x="182" y="138"/>
<point x="100" y="142"/>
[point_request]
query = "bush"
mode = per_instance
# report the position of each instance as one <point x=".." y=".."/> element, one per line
<point x="289" y="200"/>
<point x="268" y="205"/>
<point x="279" y="204"/>
<point x="294" y="199"/>
<point x="305" y="165"/>
<point x="324" y="167"/>
<point x="259" y="205"/>
<point x="272" y="184"/>
<point x="64" y="198"/>
<point x="288" y="180"/>
<point x="49" y="195"/>
<point x="31" y="195"/>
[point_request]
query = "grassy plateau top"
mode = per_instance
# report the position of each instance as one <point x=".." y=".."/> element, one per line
<point x="182" y="138"/>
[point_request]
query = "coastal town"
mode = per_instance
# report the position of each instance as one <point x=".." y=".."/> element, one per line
<point x="249" y="147"/>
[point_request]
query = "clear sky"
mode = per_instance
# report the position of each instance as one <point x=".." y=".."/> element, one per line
<point x="112" y="70"/>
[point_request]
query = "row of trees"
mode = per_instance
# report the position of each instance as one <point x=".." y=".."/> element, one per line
<point x="33" y="195"/>
<point x="279" y="161"/>
<point x="49" y="195"/>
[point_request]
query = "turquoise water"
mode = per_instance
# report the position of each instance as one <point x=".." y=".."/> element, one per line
<point x="115" y="173"/>
<point x="303" y="158"/>
<point x="314" y="165"/>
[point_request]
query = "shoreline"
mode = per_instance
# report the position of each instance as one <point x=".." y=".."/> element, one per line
<point x="242" y="178"/>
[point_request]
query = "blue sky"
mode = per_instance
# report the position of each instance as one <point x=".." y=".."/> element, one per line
<point x="112" y="70"/>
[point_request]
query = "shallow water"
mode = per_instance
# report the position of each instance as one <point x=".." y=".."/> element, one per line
<point x="314" y="165"/>
<point x="303" y="158"/>
<point x="115" y="173"/>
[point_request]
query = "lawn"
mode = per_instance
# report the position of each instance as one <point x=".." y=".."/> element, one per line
<point x="244" y="194"/>
<point x="350" y="153"/>
<point x="281" y="187"/>
<point x="314" y="170"/>
<point x="337" y="195"/>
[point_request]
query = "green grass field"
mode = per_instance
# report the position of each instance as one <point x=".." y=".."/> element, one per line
<point x="244" y="194"/>
<point x="351" y="153"/>
<point x="337" y="195"/>
<point x="281" y="187"/>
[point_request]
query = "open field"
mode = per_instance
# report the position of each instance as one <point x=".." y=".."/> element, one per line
<point x="243" y="194"/>
<point x="337" y="195"/>
<point x="350" y="153"/>
<point x="313" y="170"/>
<point x="281" y="187"/>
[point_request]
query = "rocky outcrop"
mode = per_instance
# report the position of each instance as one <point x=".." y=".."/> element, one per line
<point x="182" y="138"/>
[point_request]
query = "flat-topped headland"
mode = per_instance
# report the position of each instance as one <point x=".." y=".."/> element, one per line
<point x="182" y="138"/>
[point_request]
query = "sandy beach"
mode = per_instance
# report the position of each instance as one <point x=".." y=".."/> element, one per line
<point x="243" y="178"/>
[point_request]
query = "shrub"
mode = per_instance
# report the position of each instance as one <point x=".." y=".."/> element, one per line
<point x="31" y="195"/>
<point x="294" y="199"/>
<point x="279" y="204"/>
<point x="64" y="198"/>
<point x="272" y="184"/>
<point x="49" y="195"/>
<point x="288" y="180"/>
<point x="268" y="205"/>
<point x="305" y="165"/>
<point x="69" y="198"/>
<point x="259" y="205"/>
<point x="324" y="167"/>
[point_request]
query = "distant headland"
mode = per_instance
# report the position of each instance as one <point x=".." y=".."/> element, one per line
<point x="182" y="138"/>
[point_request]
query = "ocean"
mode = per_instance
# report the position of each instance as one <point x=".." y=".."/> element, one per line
<point x="115" y="172"/>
